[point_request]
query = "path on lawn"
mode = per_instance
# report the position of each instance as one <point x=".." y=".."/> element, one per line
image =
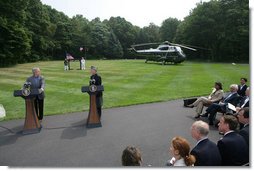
<point x="63" y="143"/>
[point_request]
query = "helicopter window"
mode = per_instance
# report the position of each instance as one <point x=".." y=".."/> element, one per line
<point x="163" y="48"/>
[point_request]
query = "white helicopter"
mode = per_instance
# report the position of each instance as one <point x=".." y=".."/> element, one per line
<point x="165" y="52"/>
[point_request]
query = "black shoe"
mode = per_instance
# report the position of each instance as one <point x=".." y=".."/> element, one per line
<point x="204" y="115"/>
<point x="198" y="116"/>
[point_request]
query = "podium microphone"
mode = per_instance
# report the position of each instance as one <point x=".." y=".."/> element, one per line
<point x="92" y="82"/>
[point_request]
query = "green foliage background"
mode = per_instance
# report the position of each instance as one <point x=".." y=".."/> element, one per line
<point x="31" y="31"/>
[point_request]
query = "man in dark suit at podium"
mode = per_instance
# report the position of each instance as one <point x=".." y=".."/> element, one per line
<point x="37" y="82"/>
<point x="95" y="79"/>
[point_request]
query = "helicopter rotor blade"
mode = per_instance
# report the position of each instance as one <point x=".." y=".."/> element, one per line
<point x="186" y="47"/>
<point x="145" y="44"/>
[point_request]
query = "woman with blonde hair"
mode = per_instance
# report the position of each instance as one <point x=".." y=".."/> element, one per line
<point x="180" y="149"/>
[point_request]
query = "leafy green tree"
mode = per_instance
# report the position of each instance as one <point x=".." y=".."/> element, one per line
<point x="104" y="42"/>
<point x="15" y="41"/>
<point x="124" y="31"/>
<point x="168" y="29"/>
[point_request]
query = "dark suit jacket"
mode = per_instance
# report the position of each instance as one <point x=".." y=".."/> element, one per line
<point x="214" y="108"/>
<point x="41" y="85"/>
<point x="244" y="132"/>
<point x="233" y="150"/>
<point x="234" y="99"/>
<point x="206" y="153"/>
<point x="242" y="102"/>
<point x="240" y="91"/>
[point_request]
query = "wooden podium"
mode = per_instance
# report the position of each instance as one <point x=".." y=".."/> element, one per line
<point x="32" y="124"/>
<point x="93" y="119"/>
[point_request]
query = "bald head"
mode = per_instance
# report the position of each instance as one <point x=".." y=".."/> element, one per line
<point x="199" y="129"/>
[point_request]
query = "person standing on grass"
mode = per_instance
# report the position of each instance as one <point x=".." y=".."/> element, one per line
<point x="38" y="82"/>
<point x="65" y="64"/>
<point x="95" y="79"/>
<point x="83" y="63"/>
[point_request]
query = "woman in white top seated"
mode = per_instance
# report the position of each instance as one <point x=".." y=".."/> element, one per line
<point x="180" y="150"/>
<point x="215" y="96"/>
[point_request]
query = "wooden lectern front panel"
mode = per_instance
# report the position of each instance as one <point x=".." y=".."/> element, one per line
<point x="31" y="120"/>
<point x="93" y="117"/>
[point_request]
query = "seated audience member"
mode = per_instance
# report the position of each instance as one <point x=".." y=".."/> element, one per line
<point x="243" y="117"/>
<point x="232" y="98"/>
<point x="131" y="157"/>
<point x="242" y="87"/>
<point x="215" y="96"/>
<point x="244" y="101"/>
<point x="206" y="152"/>
<point x="180" y="150"/>
<point x="232" y="146"/>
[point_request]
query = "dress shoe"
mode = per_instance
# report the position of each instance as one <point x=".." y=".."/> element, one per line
<point x="190" y="106"/>
<point x="198" y="116"/>
<point x="204" y="115"/>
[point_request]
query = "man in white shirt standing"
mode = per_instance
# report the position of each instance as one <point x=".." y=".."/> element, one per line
<point x="83" y="63"/>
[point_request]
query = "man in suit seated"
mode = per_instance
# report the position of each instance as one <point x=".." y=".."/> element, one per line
<point x="232" y="98"/>
<point x="232" y="146"/>
<point x="206" y="152"/>
<point x="243" y="117"/>
<point x="242" y="87"/>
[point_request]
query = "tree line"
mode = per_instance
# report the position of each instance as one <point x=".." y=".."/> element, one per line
<point x="31" y="31"/>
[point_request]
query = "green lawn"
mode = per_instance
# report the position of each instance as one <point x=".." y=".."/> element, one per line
<point x="126" y="82"/>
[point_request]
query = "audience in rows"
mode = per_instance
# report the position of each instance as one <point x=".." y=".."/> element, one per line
<point x="231" y="150"/>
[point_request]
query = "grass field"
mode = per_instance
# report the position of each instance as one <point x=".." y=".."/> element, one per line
<point x="126" y="82"/>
